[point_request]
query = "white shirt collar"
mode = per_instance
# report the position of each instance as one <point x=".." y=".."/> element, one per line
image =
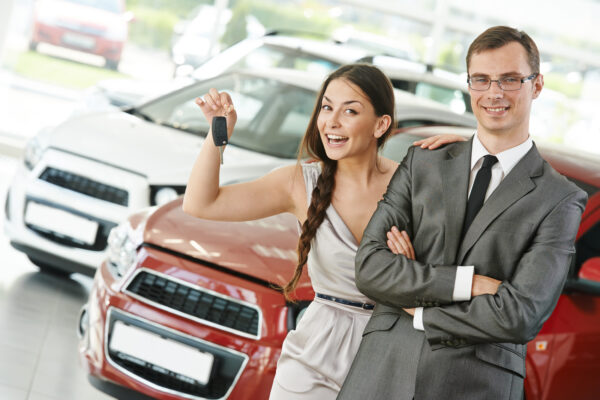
<point x="507" y="159"/>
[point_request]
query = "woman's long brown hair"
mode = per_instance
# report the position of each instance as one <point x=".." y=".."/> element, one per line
<point x="378" y="88"/>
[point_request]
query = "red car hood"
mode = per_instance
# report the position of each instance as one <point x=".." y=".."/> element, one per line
<point x="264" y="249"/>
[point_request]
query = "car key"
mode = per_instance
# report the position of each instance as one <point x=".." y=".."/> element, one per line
<point x="219" y="134"/>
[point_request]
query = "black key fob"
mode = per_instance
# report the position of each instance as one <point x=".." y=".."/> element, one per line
<point x="219" y="131"/>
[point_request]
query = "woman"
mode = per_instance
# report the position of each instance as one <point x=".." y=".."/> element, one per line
<point x="352" y="119"/>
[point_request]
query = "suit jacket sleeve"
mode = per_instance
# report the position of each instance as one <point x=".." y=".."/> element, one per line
<point x="392" y="279"/>
<point x="522" y="304"/>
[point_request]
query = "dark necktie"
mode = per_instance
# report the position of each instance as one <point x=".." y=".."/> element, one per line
<point x="480" y="186"/>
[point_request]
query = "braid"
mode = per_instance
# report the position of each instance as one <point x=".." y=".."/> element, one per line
<point x="378" y="88"/>
<point x="320" y="201"/>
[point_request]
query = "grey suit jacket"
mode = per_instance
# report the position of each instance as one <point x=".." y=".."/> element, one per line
<point x="523" y="236"/>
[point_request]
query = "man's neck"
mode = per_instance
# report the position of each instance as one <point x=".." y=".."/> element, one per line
<point x="497" y="143"/>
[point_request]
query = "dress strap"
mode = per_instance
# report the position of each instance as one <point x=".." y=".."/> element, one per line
<point x="311" y="172"/>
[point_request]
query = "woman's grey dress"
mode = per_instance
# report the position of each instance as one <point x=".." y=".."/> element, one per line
<point x="316" y="357"/>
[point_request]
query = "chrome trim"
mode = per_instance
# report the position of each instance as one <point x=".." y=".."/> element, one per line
<point x="130" y="374"/>
<point x="188" y="316"/>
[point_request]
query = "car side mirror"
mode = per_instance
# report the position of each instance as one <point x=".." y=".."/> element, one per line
<point x="590" y="270"/>
<point x="588" y="278"/>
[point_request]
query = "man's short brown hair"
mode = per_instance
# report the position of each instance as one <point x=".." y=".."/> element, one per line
<point x="498" y="36"/>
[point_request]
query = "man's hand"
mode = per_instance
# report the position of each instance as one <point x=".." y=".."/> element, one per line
<point x="436" y="141"/>
<point x="410" y="311"/>
<point x="484" y="285"/>
<point x="399" y="243"/>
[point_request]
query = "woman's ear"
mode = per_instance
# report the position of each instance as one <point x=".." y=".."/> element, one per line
<point x="382" y="125"/>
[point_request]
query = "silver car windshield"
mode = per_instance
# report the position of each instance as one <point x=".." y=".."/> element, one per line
<point x="272" y="116"/>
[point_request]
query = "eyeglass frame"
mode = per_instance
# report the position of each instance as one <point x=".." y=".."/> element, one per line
<point x="498" y="81"/>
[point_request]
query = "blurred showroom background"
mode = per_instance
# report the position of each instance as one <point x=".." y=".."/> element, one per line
<point x="41" y="84"/>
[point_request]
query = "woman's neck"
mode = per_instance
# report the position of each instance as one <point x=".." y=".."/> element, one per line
<point x="359" y="170"/>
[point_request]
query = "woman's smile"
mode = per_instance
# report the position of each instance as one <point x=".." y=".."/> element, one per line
<point x="336" y="140"/>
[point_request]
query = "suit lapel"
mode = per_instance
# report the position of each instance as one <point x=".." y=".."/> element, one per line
<point x="513" y="187"/>
<point x="455" y="184"/>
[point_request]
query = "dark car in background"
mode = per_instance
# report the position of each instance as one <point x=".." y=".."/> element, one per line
<point x="209" y="289"/>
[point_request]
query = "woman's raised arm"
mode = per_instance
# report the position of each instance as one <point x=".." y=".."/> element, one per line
<point x="282" y="190"/>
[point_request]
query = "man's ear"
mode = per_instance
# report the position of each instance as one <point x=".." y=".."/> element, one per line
<point x="538" y="84"/>
<point x="383" y="123"/>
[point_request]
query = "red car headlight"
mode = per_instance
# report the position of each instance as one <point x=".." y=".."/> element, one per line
<point x="123" y="244"/>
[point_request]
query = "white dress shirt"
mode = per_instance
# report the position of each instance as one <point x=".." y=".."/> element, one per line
<point x="506" y="162"/>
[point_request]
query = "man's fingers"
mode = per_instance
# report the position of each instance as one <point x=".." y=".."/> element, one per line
<point x="437" y="141"/>
<point x="427" y="142"/>
<point x="400" y="242"/>
<point x="393" y="244"/>
<point x="392" y="247"/>
<point x="411" y="249"/>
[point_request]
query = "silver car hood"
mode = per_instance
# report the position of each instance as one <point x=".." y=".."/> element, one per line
<point x="163" y="154"/>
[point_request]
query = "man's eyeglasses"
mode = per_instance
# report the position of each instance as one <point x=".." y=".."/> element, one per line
<point x="506" y="83"/>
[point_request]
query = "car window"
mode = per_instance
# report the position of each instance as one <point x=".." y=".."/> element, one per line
<point x="397" y="146"/>
<point x="113" y="6"/>
<point x="279" y="57"/>
<point x="272" y="115"/>
<point x="451" y="97"/>
<point x="457" y="100"/>
<point x="588" y="244"/>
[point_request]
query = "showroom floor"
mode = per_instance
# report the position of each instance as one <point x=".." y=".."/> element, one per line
<point x="38" y="320"/>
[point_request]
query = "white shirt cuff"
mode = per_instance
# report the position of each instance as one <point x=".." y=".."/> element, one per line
<point x="463" y="283"/>
<point x="418" y="319"/>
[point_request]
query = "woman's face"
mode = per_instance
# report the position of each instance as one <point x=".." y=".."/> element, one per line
<point x="347" y="122"/>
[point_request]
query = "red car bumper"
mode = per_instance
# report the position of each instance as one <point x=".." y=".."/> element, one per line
<point x="245" y="353"/>
<point x="89" y="43"/>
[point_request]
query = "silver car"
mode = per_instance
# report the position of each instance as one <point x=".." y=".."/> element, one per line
<point x="81" y="178"/>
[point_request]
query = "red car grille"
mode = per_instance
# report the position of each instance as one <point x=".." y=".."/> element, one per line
<point x="196" y="302"/>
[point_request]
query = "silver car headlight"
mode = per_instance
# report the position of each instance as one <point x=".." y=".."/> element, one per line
<point x="165" y="195"/>
<point x="160" y="195"/>
<point x="33" y="153"/>
<point x="123" y="243"/>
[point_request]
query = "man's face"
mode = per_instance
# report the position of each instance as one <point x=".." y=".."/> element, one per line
<point x="501" y="112"/>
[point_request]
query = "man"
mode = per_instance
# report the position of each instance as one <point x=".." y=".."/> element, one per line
<point x="490" y="206"/>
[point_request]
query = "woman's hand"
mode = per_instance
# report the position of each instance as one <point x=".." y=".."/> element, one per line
<point x="399" y="243"/>
<point x="436" y="141"/>
<point x="218" y="104"/>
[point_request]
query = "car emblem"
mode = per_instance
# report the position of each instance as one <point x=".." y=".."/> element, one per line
<point x="541" y="345"/>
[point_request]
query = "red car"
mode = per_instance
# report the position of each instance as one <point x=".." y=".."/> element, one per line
<point x="93" y="26"/>
<point x="188" y="309"/>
